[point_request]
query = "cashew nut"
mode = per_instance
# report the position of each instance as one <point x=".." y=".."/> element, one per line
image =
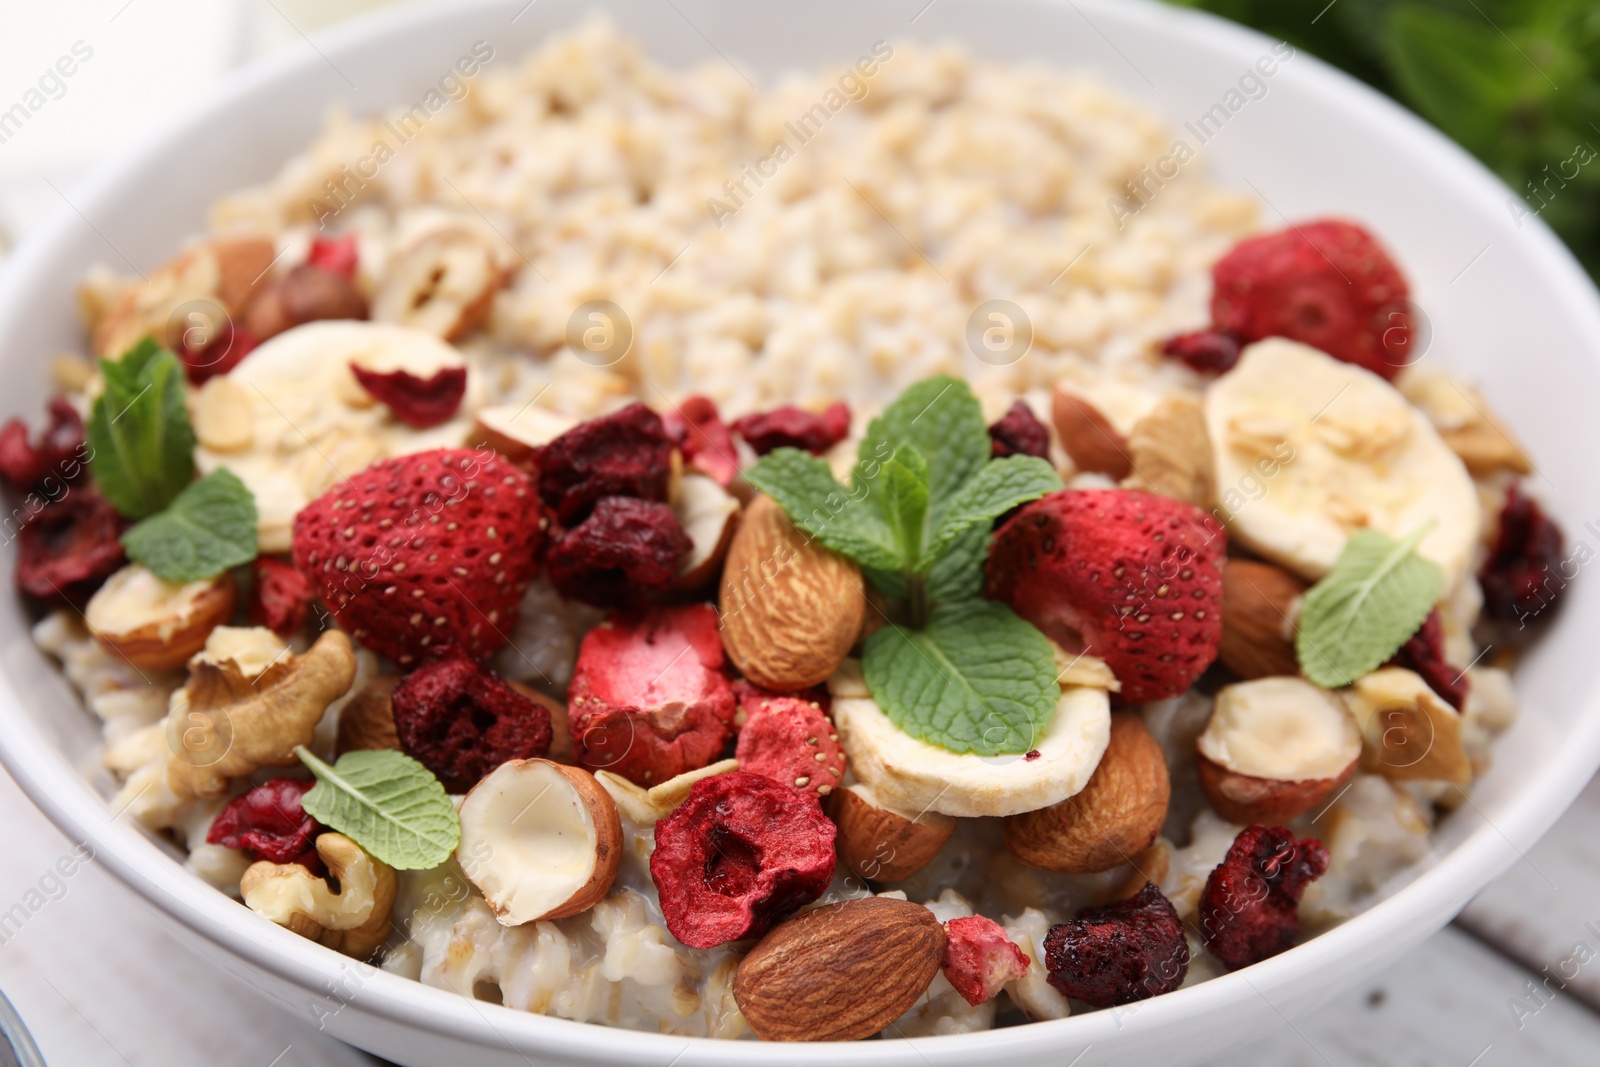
<point x="354" y="920"/>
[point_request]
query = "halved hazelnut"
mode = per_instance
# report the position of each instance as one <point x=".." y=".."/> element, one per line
<point x="1274" y="749"/>
<point x="882" y="845"/>
<point x="540" y="840"/>
<point x="154" y="624"/>
<point x="1409" y="731"/>
<point x="1088" y="436"/>
<point x="709" y="514"/>
<point x="442" y="281"/>
<point x="516" y="430"/>
<point x="1260" y="608"/>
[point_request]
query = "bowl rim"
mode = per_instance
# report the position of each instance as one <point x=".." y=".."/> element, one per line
<point x="1442" y="886"/>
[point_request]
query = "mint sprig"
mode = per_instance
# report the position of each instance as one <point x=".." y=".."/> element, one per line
<point x="387" y="803"/>
<point x="139" y="433"/>
<point x="209" y="527"/>
<point x="1377" y="595"/>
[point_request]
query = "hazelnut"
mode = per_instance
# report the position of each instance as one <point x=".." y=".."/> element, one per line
<point x="709" y="514"/>
<point x="155" y="624"/>
<point x="882" y="845"/>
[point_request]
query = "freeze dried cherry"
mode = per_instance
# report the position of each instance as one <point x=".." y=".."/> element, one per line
<point x="979" y="958"/>
<point x="792" y="427"/>
<point x="790" y="740"/>
<point x="738" y="855"/>
<point x="58" y="452"/>
<point x="1118" y="953"/>
<point x="1250" y="907"/>
<point x="268" y="821"/>
<point x="1423" y="653"/>
<point x="696" y="427"/>
<point x="218" y="354"/>
<point x="1206" y="351"/>
<point x="624" y="547"/>
<point x="336" y="255"/>
<point x="70" y="548"/>
<point x="418" y="402"/>
<point x="282" y="597"/>
<point x="1522" y="575"/>
<point x="461" y="721"/>
<point x="1019" y="433"/>
<point x="626" y="453"/>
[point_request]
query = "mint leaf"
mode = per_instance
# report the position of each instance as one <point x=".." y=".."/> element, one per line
<point x="804" y="486"/>
<point x="387" y="803"/>
<point x="996" y="488"/>
<point x="139" y="434"/>
<point x="210" y="527"/>
<point x="904" y="500"/>
<point x="977" y="679"/>
<point x="1377" y="595"/>
<point x="958" y="574"/>
<point x="941" y="419"/>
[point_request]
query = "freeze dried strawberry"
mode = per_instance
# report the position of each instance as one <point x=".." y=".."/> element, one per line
<point x="70" y="548"/>
<point x="1121" y="574"/>
<point x="1250" y="907"/>
<point x="626" y="453"/>
<point x="790" y="740"/>
<point x="282" y="597"/>
<point x="1328" y="283"/>
<point x="337" y="255"/>
<point x="417" y="402"/>
<point x="461" y="721"/>
<point x="1020" y="433"/>
<point x="268" y="821"/>
<point x="1423" y="653"/>
<point x="219" y="354"/>
<point x="979" y="958"/>
<point x="57" y="453"/>
<point x="625" y="547"/>
<point x="697" y="429"/>
<point x="423" y="552"/>
<point x="748" y="695"/>
<point x="1523" y="574"/>
<point x="1207" y="351"/>
<point x="792" y="427"/>
<point x="1120" y="952"/>
<point x="649" y="699"/>
<point x="737" y="856"/>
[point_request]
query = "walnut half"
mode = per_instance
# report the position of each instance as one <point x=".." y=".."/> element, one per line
<point x="354" y="920"/>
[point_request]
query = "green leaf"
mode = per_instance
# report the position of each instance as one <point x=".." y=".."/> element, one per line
<point x="904" y="501"/>
<point x="804" y="486"/>
<point x="210" y="527"/>
<point x="941" y="420"/>
<point x="977" y="679"/>
<point x="1377" y="595"/>
<point x="996" y="488"/>
<point x="958" y="574"/>
<point x="142" y="446"/>
<point x="387" y="803"/>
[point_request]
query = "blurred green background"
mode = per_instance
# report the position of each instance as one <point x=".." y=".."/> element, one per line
<point x="1517" y="82"/>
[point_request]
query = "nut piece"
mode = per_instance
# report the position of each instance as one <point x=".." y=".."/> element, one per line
<point x="1409" y="731"/>
<point x="1088" y="436"/>
<point x="367" y="719"/>
<point x="883" y="845"/>
<point x="517" y="430"/>
<point x="649" y="806"/>
<point x="790" y="608"/>
<point x="354" y="920"/>
<point x="1275" y="748"/>
<point x="841" y="972"/>
<point x="709" y="514"/>
<point x="156" y="625"/>
<point x="442" y="281"/>
<point x="223" y="419"/>
<point x="224" y="272"/>
<point x="1260" y="608"/>
<point x="1169" y="452"/>
<point x="1115" y="817"/>
<point x="1465" y="424"/>
<point x="542" y="841"/>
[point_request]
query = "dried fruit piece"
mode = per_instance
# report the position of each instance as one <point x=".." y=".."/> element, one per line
<point x="626" y="453"/>
<point x="1423" y="653"/>
<point x="1120" y="952"/>
<point x="57" y="453"/>
<point x="461" y="721"/>
<point x="1250" y="907"/>
<point x="1206" y="351"/>
<point x="206" y="354"/>
<point x="649" y="699"/>
<point x="417" y="402"/>
<point x="1020" y="433"/>
<point x="700" y="434"/>
<point x="1521" y="577"/>
<point x="979" y="958"/>
<point x="740" y="854"/>
<point x="68" y="550"/>
<point x="268" y="821"/>
<point x="308" y="293"/>
<point x="792" y="427"/>
<point x="337" y="255"/>
<point x="623" y="548"/>
<point x="282" y="597"/>
<point x="790" y="740"/>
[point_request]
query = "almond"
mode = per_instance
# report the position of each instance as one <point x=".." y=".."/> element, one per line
<point x="1260" y="604"/>
<point x="1115" y="817"/>
<point x="790" y="608"/>
<point x="1088" y="436"/>
<point x="883" y="845"/>
<point x="155" y="624"/>
<point x="841" y="972"/>
<point x="367" y="721"/>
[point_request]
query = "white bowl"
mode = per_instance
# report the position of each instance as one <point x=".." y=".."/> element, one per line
<point x="1509" y="307"/>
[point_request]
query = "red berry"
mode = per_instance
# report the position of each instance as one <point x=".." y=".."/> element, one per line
<point x="461" y="721"/>
<point x="1020" y="433"/>
<point x="700" y="434"/>
<point x="1423" y="653"/>
<point x="58" y="453"/>
<point x="69" y="549"/>
<point x="1328" y="283"/>
<point x="1522" y="576"/>
<point x="1128" y="576"/>
<point x="625" y="547"/>
<point x="282" y="597"/>
<point x="1125" y="951"/>
<point x="417" y="402"/>
<point x="979" y="958"/>
<point x="337" y="255"/>
<point x="1207" y="351"/>
<point x="790" y="740"/>
<point x="268" y="821"/>
<point x="792" y="427"/>
<point x="1250" y="907"/>
<point x="626" y="453"/>
<point x="220" y="354"/>
<point x="424" y="552"/>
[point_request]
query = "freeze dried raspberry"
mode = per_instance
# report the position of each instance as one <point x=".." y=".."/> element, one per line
<point x="979" y="958"/>
<point x="649" y="699"/>
<point x="219" y="354"/>
<point x="70" y="548"/>
<point x="625" y="547"/>
<point x="1020" y="433"/>
<point x="1522" y="576"/>
<point x="792" y="427"/>
<point x="461" y="721"/>
<point x="417" y="402"/>
<point x="1423" y="653"/>
<point x="1121" y="952"/>
<point x="1328" y="284"/>
<point x="626" y="453"/>
<point x="268" y="821"/>
<point x="58" y="453"/>
<point x="282" y="597"/>
<point x="791" y="741"/>
<point x="336" y="255"/>
<point x="1207" y="351"/>
<point x="1250" y="908"/>
<point x="700" y="434"/>
<point x="737" y="856"/>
